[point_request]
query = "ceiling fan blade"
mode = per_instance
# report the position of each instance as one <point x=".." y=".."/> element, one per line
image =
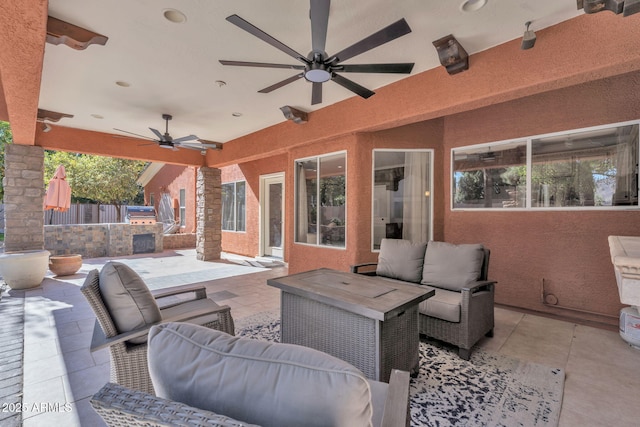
<point x="401" y="68"/>
<point x="282" y="83"/>
<point x="316" y="93"/>
<point x="191" y="147"/>
<point x="352" y="86"/>
<point x="250" y="28"/>
<point x="157" y="133"/>
<point x="185" y="138"/>
<point x="211" y="144"/>
<point x="138" y="135"/>
<point x="319" y="15"/>
<point x="385" y="35"/>
<point x="261" y="64"/>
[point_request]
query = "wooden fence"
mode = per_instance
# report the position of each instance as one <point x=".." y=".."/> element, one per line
<point x="82" y="213"/>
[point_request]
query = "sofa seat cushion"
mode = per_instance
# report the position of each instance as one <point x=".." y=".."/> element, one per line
<point x="443" y="305"/>
<point x="128" y="299"/>
<point x="452" y="266"/>
<point x="401" y="259"/>
<point x="256" y="381"/>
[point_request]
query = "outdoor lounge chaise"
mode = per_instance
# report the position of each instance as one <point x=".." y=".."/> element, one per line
<point x="461" y="311"/>
<point x="126" y="310"/>
<point x="206" y="377"/>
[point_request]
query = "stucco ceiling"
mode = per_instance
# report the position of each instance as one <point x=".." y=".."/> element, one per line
<point x="173" y="68"/>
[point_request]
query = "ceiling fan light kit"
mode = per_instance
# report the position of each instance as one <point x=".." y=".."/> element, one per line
<point x="167" y="141"/>
<point x="318" y="67"/>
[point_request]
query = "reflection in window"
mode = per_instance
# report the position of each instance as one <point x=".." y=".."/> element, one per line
<point x="588" y="168"/>
<point x="401" y="195"/>
<point x="183" y="207"/>
<point x="233" y="206"/>
<point x="490" y="177"/>
<point x="593" y="168"/>
<point x="321" y="200"/>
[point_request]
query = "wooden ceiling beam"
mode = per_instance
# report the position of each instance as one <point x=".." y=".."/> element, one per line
<point x="60" y="32"/>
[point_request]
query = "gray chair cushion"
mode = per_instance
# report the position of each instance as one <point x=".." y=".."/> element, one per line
<point x="452" y="266"/>
<point x="128" y="299"/>
<point x="401" y="259"/>
<point x="258" y="382"/>
<point x="443" y="305"/>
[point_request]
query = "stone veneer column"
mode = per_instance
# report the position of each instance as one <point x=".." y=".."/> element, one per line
<point x="23" y="197"/>
<point x="208" y="214"/>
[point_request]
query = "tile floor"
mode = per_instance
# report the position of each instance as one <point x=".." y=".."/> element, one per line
<point x="602" y="385"/>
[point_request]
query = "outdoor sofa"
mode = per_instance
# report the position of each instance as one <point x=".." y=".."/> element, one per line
<point x="461" y="311"/>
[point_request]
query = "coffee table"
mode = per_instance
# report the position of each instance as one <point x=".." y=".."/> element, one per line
<point x="369" y="322"/>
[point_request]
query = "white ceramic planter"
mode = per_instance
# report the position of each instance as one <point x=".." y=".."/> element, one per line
<point x="24" y="269"/>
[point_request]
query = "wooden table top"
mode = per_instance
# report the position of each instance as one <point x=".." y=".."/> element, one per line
<point x="372" y="297"/>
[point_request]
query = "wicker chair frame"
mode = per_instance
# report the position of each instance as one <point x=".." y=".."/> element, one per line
<point x="129" y="361"/>
<point x="476" y="312"/>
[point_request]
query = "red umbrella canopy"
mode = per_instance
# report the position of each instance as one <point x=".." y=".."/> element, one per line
<point x="58" y="196"/>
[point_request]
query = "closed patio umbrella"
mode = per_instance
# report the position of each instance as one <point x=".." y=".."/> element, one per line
<point x="58" y="196"/>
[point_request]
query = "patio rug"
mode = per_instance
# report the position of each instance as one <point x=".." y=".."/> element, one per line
<point x="488" y="390"/>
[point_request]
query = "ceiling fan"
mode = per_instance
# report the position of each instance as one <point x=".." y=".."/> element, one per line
<point x="318" y="67"/>
<point x="166" y="141"/>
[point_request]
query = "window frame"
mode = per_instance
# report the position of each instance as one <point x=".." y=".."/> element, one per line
<point x="431" y="153"/>
<point x="235" y="207"/>
<point x="318" y="158"/>
<point x="182" y="201"/>
<point x="529" y="158"/>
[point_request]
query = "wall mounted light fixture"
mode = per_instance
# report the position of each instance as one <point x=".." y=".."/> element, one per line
<point x="297" y="116"/>
<point x="529" y="38"/>
<point x="626" y="7"/>
<point x="451" y="54"/>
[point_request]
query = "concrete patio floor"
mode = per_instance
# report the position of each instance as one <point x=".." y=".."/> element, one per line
<point x="601" y="389"/>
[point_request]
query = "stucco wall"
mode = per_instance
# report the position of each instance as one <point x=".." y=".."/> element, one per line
<point x="248" y="242"/>
<point x="171" y="178"/>
<point x="566" y="249"/>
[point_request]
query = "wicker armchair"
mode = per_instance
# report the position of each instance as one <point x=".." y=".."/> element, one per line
<point x="205" y="377"/>
<point x="129" y="361"/>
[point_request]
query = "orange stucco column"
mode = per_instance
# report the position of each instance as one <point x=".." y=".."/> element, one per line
<point x="23" y="27"/>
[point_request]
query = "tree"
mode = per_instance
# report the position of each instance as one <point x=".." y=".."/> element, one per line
<point x="6" y="137"/>
<point x="104" y="180"/>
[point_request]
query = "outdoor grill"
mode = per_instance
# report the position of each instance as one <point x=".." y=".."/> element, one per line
<point x="140" y="215"/>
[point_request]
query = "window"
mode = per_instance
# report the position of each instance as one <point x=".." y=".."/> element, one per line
<point x="320" y="211"/>
<point x="183" y="207"/>
<point x="492" y="176"/>
<point x="595" y="167"/>
<point x="233" y="206"/>
<point x="401" y="200"/>
<point x="152" y="199"/>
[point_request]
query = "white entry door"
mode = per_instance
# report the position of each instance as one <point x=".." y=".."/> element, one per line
<point x="272" y="214"/>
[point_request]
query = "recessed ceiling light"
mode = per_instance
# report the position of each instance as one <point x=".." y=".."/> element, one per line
<point x="236" y="114"/>
<point x="175" y="16"/>
<point x="123" y="84"/>
<point x="97" y="116"/>
<point x="472" y="5"/>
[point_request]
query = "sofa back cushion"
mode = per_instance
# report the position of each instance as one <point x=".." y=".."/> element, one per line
<point x="401" y="259"/>
<point x="452" y="266"/>
<point x="269" y="384"/>
<point x="128" y="299"/>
